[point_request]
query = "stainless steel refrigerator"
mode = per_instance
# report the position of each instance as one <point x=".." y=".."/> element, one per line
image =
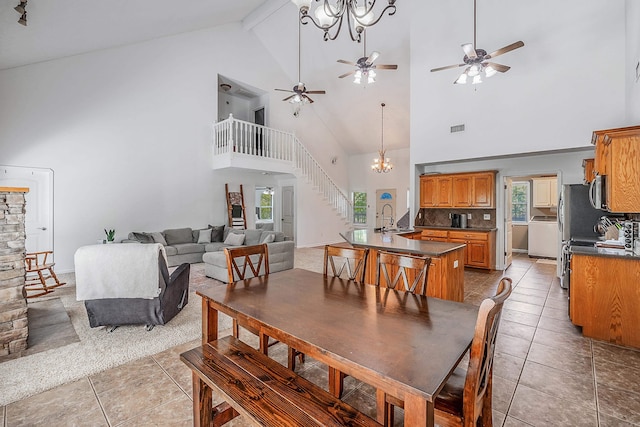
<point x="576" y="216"/>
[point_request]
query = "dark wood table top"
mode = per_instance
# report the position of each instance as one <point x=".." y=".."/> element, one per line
<point x="394" y="340"/>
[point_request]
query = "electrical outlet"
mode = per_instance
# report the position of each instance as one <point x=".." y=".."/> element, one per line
<point x="455" y="264"/>
<point x="449" y="215"/>
<point x="487" y="217"/>
<point x="468" y="216"/>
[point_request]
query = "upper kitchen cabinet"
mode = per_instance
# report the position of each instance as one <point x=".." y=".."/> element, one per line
<point x="545" y="192"/>
<point x="589" y="171"/>
<point x="618" y="160"/>
<point x="464" y="190"/>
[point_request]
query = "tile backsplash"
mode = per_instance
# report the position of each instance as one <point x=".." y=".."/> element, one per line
<point x="440" y="217"/>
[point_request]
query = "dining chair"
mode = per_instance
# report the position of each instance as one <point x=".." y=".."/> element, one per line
<point x="401" y="264"/>
<point x="354" y="260"/>
<point x="256" y="258"/>
<point x="466" y="396"/>
<point x="39" y="269"/>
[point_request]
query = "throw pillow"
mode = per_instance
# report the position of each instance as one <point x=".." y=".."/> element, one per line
<point x="142" y="237"/>
<point x="158" y="238"/>
<point x="234" y="239"/>
<point x="217" y="233"/>
<point x="268" y="238"/>
<point x="205" y="236"/>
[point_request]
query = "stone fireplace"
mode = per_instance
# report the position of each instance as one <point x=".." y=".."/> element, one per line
<point x="14" y="329"/>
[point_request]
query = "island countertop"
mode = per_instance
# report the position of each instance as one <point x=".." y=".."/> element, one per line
<point x="396" y="243"/>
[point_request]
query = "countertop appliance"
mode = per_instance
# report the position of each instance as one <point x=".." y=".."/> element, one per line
<point x="455" y="220"/>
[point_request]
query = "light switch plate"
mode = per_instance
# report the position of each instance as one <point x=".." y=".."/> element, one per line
<point x="487" y="217"/>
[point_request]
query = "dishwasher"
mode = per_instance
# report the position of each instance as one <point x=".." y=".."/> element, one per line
<point x="543" y="236"/>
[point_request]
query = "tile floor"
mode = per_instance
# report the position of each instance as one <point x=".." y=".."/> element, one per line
<point x="546" y="373"/>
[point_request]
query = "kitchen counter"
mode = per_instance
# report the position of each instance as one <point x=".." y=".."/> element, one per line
<point x="446" y="272"/>
<point x="437" y="227"/>
<point x="604" y="252"/>
<point x="397" y="243"/>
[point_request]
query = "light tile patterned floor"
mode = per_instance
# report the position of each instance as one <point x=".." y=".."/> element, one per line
<point x="546" y="373"/>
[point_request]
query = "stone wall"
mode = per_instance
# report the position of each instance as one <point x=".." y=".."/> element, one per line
<point x="14" y="329"/>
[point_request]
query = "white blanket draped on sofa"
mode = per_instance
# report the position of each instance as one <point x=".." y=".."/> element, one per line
<point x="117" y="271"/>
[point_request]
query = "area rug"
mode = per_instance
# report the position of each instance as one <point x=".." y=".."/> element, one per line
<point x="546" y="261"/>
<point x="98" y="349"/>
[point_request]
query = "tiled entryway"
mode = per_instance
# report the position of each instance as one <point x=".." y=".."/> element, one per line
<point x="546" y="373"/>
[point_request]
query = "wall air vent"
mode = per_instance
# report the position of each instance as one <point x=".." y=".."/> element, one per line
<point x="457" y="128"/>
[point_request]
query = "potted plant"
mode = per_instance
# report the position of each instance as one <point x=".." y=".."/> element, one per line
<point x="111" y="235"/>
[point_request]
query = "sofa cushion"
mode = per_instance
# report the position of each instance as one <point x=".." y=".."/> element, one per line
<point x="141" y="237"/>
<point x="234" y="239"/>
<point x="158" y="238"/>
<point x="228" y="230"/>
<point x="277" y="235"/>
<point x="170" y="250"/>
<point x="252" y="237"/>
<point x="215" y="246"/>
<point x="217" y="233"/>
<point x="204" y="236"/>
<point x="178" y="235"/>
<point x="189" y="248"/>
<point x="268" y="238"/>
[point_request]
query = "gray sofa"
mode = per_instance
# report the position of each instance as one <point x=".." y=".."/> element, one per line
<point x="181" y="245"/>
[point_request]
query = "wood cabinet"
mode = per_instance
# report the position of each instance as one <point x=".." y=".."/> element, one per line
<point x="605" y="298"/>
<point x="618" y="160"/>
<point x="466" y="190"/>
<point x="545" y="192"/>
<point x="589" y="171"/>
<point x="480" y="245"/>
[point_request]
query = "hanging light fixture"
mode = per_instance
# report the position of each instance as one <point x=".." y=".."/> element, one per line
<point x="359" y="15"/>
<point x="381" y="163"/>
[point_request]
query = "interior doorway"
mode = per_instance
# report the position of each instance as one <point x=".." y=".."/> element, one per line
<point x="288" y="210"/>
<point x="39" y="203"/>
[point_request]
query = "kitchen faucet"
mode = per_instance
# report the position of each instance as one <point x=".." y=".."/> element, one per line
<point x="390" y="216"/>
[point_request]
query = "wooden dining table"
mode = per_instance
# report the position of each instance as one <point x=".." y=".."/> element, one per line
<point x="402" y="344"/>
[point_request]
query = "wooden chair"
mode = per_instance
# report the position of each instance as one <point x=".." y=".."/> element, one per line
<point x="38" y="271"/>
<point x="466" y="397"/>
<point x="353" y="259"/>
<point x="401" y="264"/>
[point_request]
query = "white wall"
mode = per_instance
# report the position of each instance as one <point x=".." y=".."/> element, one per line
<point x="128" y="132"/>
<point x="363" y="179"/>
<point x="564" y="83"/>
<point x="633" y="57"/>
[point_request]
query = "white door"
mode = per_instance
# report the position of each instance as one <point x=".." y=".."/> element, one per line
<point x="39" y="203"/>
<point x="288" y="209"/>
<point x="386" y="208"/>
<point x="508" y="225"/>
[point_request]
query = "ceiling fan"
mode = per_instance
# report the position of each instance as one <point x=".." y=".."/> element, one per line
<point x="477" y="60"/>
<point x="365" y="67"/>
<point x="300" y="93"/>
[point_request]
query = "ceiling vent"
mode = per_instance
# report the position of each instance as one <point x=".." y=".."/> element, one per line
<point x="457" y="128"/>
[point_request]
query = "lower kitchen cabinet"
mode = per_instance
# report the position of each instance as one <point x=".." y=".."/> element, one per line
<point x="479" y="250"/>
<point x="604" y="298"/>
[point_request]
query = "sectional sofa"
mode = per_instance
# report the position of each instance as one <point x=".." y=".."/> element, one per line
<point x="192" y="246"/>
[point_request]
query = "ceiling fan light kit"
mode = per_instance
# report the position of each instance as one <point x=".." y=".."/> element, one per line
<point x="382" y="164"/>
<point x="365" y="67"/>
<point x="329" y="15"/>
<point x="476" y="59"/>
<point x="22" y="10"/>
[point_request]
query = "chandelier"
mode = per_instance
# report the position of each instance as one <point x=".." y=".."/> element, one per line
<point x="382" y="164"/>
<point x="359" y="15"/>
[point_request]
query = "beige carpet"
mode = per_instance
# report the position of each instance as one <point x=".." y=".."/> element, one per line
<point x="99" y="350"/>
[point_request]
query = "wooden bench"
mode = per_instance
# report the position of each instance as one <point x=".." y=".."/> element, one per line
<point x="261" y="389"/>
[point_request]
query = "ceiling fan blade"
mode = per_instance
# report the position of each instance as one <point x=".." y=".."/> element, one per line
<point x="346" y="74"/>
<point x="289" y="97"/>
<point x="307" y="98"/>
<point x="342" y="61"/>
<point x="498" y="67"/>
<point x="284" y="90"/>
<point x="505" y="49"/>
<point x="469" y="50"/>
<point x="316" y="92"/>
<point x="448" y="67"/>
<point x="385" y="67"/>
<point x="374" y="55"/>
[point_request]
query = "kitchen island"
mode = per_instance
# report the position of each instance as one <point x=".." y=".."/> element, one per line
<point x="446" y="272"/>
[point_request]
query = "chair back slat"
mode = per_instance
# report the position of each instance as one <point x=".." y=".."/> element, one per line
<point x="352" y="259"/>
<point x="479" y="374"/>
<point x="255" y="257"/>
<point x="402" y="264"/>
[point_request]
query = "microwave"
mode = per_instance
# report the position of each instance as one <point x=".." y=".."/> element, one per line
<point x="597" y="192"/>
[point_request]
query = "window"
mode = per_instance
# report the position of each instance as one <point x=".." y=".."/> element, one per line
<point x="520" y="202"/>
<point x="359" y="208"/>
<point x="265" y="210"/>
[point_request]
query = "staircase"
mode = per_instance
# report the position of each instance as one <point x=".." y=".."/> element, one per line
<point x="278" y="151"/>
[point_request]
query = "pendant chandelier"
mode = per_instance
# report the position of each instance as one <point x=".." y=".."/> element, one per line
<point x="359" y="15"/>
<point x="382" y="164"/>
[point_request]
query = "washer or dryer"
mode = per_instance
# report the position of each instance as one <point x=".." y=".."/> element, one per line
<point x="543" y="236"/>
